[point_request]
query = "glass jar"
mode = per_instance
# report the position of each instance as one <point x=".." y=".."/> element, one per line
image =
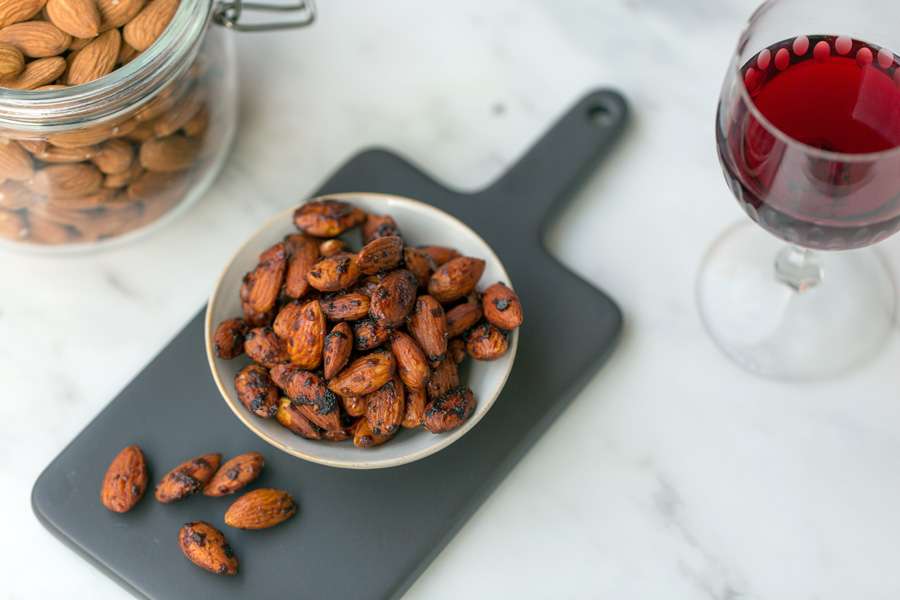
<point x="87" y="166"/>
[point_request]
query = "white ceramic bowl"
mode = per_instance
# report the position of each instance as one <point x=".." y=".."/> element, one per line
<point x="420" y="223"/>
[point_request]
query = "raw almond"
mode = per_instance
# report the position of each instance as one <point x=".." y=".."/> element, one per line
<point x="455" y="278"/>
<point x="12" y="62"/>
<point x="264" y="347"/>
<point x="169" y="155"/>
<point x="256" y="391"/>
<point x="229" y="338"/>
<point x="114" y="157"/>
<point x="235" y="474"/>
<point x="261" y="509"/>
<point x="14" y="11"/>
<point x="87" y="136"/>
<point x="120" y="180"/>
<point x="291" y="418"/>
<point x="144" y="29"/>
<point x="450" y="410"/>
<point x="13" y="225"/>
<point x="15" y="162"/>
<point x="205" y="546"/>
<point x="428" y="324"/>
<point x="198" y="125"/>
<point x="486" y="342"/>
<point x="393" y="298"/>
<point x="37" y="73"/>
<point x="386" y="407"/>
<point x="412" y="366"/>
<point x="125" y="481"/>
<point x="181" y="113"/>
<point x="81" y="203"/>
<point x="78" y="18"/>
<point x="66" y="181"/>
<point x="15" y="196"/>
<point x="187" y="478"/>
<point x="327" y="218"/>
<point x="338" y="347"/>
<point x="56" y="155"/>
<point x="95" y="60"/>
<point x="115" y="13"/>
<point x="36" y="39"/>
<point x="364" y="375"/>
<point x="126" y="54"/>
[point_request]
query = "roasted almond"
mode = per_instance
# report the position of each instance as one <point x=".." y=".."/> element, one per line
<point x="95" y="60"/>
<point x="486" y="342"/>
<point x="332" y="247"/>
<point x="303" y="253"/>
<point x="364" y="375"/>
<point x="235" y="474"/>
<point x="78" y="18"/>
<point x="302" y="326"/>
<point x="412" y="366"/>
<point x="256" y="391"/>
<point x="338" y="347"/>
<point x="334" y="273"/>
<point x="327" y="420"/>
<point x="12" y="61"/>
<point x="354" y="406"/>
<point x="368" y="335"/>
<point x="144" y="29"/>
<point x="462" y="317"/>
<point x="264" y="347"/>
<point x="169" y="155"/>
<point x="37" y="73"/>
<point x="327" y="218"/>
<point x="428" y="324"/>
<point x="456" y="278"/>
<point x="440" y="254"/>
<point x="450" y="410"/>
<point x="502" y="307"/>
<point x="15" y="162"/>
<point x="386" y="407"/>
<point x="292" y="418"/>
<point x="393" y="298"/>
<point x="415" y="408"/>
<point x="337" y="435"/>
<point x="381" y="254"/>
<point x="364" y="437"/>
<point x="264" y="282"/>
<point x="115" y="13"/>
<point x="377" y="226"/>
<point x="66" y="181"/>
<point x="260" y="509"/>
<point x="229" y="338"/>
<point x="419" y="264"/>
<point x="113" y="157"/>
<point x="187" y="478"/>
<point x="444" y="377"/>
<point x="456" y="350"/>
<point x="305" y="387"/>
<point x="205" y="546"/>
<point x="14" y="11"/>
<point x="346" y="307"/>
<point x="125" y="481"/>
<point x="36" y="39"/>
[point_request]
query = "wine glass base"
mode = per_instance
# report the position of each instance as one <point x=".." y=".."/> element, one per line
<point x="774" y="330"/>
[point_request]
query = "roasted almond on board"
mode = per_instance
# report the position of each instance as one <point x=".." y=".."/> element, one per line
<point x="235" y="474"/>
<point x="260" y="509"/>
<point x="415" y="408"/>
<point x="125" y="481"/>
<point x="144" y="29"/>
<point x="368" y="335"/>
<point x="364" y="375"/>
<point x="386" y="407"/>
<point x="486" y="342"/>
<point x="428" y="324"/>
<point x="187" y="478"/>
<point x="456" y="278"/>
<point x="381" y="254"/>
<point x="303" y="253"/>
<point x="444" y="377"/>
<point x="450" y="410"/>
<point x="264" y="347"/>
<point x="327" y="218"/>
<point x="377" y="226"/>
<point x="338" y="347"/>
<point x="502" y="307"/>
<point x="229" y="338"/>
<point x="393" y="298"/>
<point x="205" y="546"/>
<point x="334" y="273"/>
<point x="346" y="307"/>
<point x="14" y="11"/>
<point x="36" y="39"/>
<point x="256" y="391"/>
<point x="462" y="317"/>
<point x="292" y="418"/>
<point x="412" y="366"/>
<point x="78" y="18"/>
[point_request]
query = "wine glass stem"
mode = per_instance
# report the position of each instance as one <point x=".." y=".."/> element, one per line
<point x="799" y="268"/>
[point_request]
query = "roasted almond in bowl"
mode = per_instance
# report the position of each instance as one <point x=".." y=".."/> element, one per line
<point x="361" y="366"/>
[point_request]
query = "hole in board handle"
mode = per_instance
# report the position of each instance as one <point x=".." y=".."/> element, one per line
<point x="601" y="115"/>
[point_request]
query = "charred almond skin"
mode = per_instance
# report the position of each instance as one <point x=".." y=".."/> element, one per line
<point x="428" y="324"/>
<point x="229" y="338"/>
<point x="486" y="342"/>
<point x="381" y="254"/>
<point x="303" y="330"/>
<point x="332" y="247"/>
<point x="393" y="298"/>
<point x="368" y="335"/>
<point x="412" y="366"/>
<point x="364" y="437"/>
<point x="456" y="278"/>
<point x="256" y="391"/>
<point x="460" y="318"/>
<point x="502" y="307"/>
<point x="264" y="282"/>
<point x="325" y="419"/>
<point x="261" y="509"/>
<point x="337" y="435"/>
<point x="419" y="264"/>
<point x="205" y="546"/>
<point x="415" y="408"/>
<point x="386" y="407"/>
<point x="125" y="481"/>
<point x="334" y="273"/>
<point x="187" y="478"/>
<point x="235" y="474"/>
<point x="364" y="375"/>
<point x="305" y="387"/>
<point x="346" y="307"/>
<point x="456" y="350"/>
<point x="303" y="253"/>
<point x="292" y="418"/>
<point x="327" y="218"/>
<point x="440" y="254"/>
<point x="444" y="378"/>
<point x="264" y="347"/>
<point x="378" y="226"/>
<point x="338" y="347"/>
<point x="354" y="406"/>
<point x="450" y="410"/>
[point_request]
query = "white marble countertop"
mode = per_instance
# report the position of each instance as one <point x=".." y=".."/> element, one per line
<point x="674" y="475"/>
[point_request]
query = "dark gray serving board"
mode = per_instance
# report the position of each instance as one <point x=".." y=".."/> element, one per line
<point x="359" y="534"/>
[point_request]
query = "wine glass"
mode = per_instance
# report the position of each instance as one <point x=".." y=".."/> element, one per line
<point x="808" y="135"/>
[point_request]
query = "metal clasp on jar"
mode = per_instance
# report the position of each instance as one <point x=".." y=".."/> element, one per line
<point x="229" y="14"/>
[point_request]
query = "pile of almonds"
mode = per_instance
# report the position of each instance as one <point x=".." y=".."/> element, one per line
<point x="102" y="179"/>
<point x="355" y="345"/>
<point x="126" y="481"/>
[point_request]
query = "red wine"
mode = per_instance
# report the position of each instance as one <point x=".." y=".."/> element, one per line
<point x="830" y="94"/>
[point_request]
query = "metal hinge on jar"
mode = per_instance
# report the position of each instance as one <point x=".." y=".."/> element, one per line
<point x="229" y="14"/>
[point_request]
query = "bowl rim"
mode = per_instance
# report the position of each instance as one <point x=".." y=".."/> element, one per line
<point x="441" y="442"/>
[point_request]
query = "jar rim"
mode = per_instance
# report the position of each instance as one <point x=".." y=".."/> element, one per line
<point x="113" y="95"/>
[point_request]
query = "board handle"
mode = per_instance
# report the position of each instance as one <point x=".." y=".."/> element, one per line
<point x="546" y="176"/>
